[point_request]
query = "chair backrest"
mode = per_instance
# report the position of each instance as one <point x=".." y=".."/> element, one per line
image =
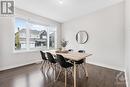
<point x="61" y="60"/>
<point x="50" y="57"/>
<point x="81" y="51"/>
<point x="70" y="50"/>
<point x="43" y="55"/>
<point x="82" y="60"/>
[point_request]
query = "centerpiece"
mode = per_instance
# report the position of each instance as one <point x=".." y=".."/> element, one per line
<point x="62" y="48"/>
<point x="63" y="44"/>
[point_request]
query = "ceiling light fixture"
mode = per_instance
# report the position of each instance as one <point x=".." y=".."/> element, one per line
<point x="61" y="1"/>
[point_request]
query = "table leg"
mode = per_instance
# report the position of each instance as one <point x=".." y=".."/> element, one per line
<point x="74" y="74"/>
<point x="85" y="69"/>
<point x="65" y="78"/>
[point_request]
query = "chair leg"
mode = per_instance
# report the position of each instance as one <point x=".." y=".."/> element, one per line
<point x="73" y="71"/>
<point x="78" y="69"/>
<point x="53" y="66"/>
<point x="49" y="65"/>
<point x="70" y="71"/>
<point x="45" y="65"/>
<point x="65" y="78"/>
<point x="85" y="71"/>
<point x="59" y="74"/>
<point x="43" y="62"/>
<point x="54" y="72"/>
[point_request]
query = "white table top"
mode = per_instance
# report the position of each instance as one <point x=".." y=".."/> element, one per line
<point x="76" y="56"/>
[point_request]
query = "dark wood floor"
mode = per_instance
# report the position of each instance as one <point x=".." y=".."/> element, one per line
<point x="31" y="76"/>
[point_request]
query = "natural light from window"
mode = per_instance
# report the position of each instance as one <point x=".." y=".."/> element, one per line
<point x="33" y="36"/>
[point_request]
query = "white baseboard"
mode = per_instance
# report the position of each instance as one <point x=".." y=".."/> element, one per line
<point x="107" y="66"/>
<point x="37" y="61"/>
<point x="18" y="65"/>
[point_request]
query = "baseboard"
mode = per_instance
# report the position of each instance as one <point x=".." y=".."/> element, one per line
<point x="126" y="78"/>
<point x="37" y="61"/>
<point x="107" y="66"/>
<point x="15" y="66"/>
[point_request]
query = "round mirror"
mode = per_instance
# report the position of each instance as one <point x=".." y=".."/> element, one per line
<point x="82" y="37"/>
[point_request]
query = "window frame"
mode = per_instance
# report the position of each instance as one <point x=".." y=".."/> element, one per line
<point x="28" y="49"/>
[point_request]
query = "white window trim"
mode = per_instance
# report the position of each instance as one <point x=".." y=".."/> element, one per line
<point x="28" y="49"/>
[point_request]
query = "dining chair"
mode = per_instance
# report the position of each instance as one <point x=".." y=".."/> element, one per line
<point x="81" y="63"/>
<point x="81" y="51"/>
<point x="64" y="65"/>
<point x="70" y="50"/>
<point x="44" y="59"/>
<point x="52" y="62"/>
<point x="82" y="60"/>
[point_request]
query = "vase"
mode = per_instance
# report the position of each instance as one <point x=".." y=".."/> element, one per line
<point x="63" y="48"/>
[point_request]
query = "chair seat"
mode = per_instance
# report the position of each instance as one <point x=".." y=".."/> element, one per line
<point x="66" y="59"/>
<point x="54" y="61"/>
<point x="78" y="62"/>
<point x="50" y="57"/>
<point x="82" y="60"/>
<point x="68" y="65"/>
<point x="63" y="62"/>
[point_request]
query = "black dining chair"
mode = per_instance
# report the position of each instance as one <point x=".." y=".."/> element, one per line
<point x="44" y="59"/>
<point x="81" y="51"/>
<point x="70" y="50"/>
<point x="64" y="65"/>
<point x="52" y="62"/>
<point x="81" y="62"/>
<point x="51" y="59"/>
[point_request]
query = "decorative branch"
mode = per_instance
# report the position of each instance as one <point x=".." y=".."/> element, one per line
<point x="64" y="43"/>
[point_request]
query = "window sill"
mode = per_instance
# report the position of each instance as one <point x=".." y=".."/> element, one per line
<point x="29" y="51"/>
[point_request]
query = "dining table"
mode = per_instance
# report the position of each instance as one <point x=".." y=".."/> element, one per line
<point x="73" y="56"/>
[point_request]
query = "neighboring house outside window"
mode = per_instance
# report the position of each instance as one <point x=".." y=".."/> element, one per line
<point x="20" y="34"/>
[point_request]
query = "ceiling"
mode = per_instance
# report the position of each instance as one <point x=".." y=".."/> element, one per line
<point x="66" y="11"/>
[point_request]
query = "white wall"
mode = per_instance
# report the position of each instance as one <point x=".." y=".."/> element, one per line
<point x="9" y="59"/>
<point x="127" y="61"/>
<point x="106" y="36"/>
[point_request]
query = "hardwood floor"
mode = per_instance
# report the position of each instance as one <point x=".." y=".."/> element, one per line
<point x="31" y="76"/>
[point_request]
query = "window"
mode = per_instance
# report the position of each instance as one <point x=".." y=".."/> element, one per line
<point x="20" y="34"/>
<point x="52" y="38"/>
<point x="31" y="35"/>
<point x="38" y="36"/>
